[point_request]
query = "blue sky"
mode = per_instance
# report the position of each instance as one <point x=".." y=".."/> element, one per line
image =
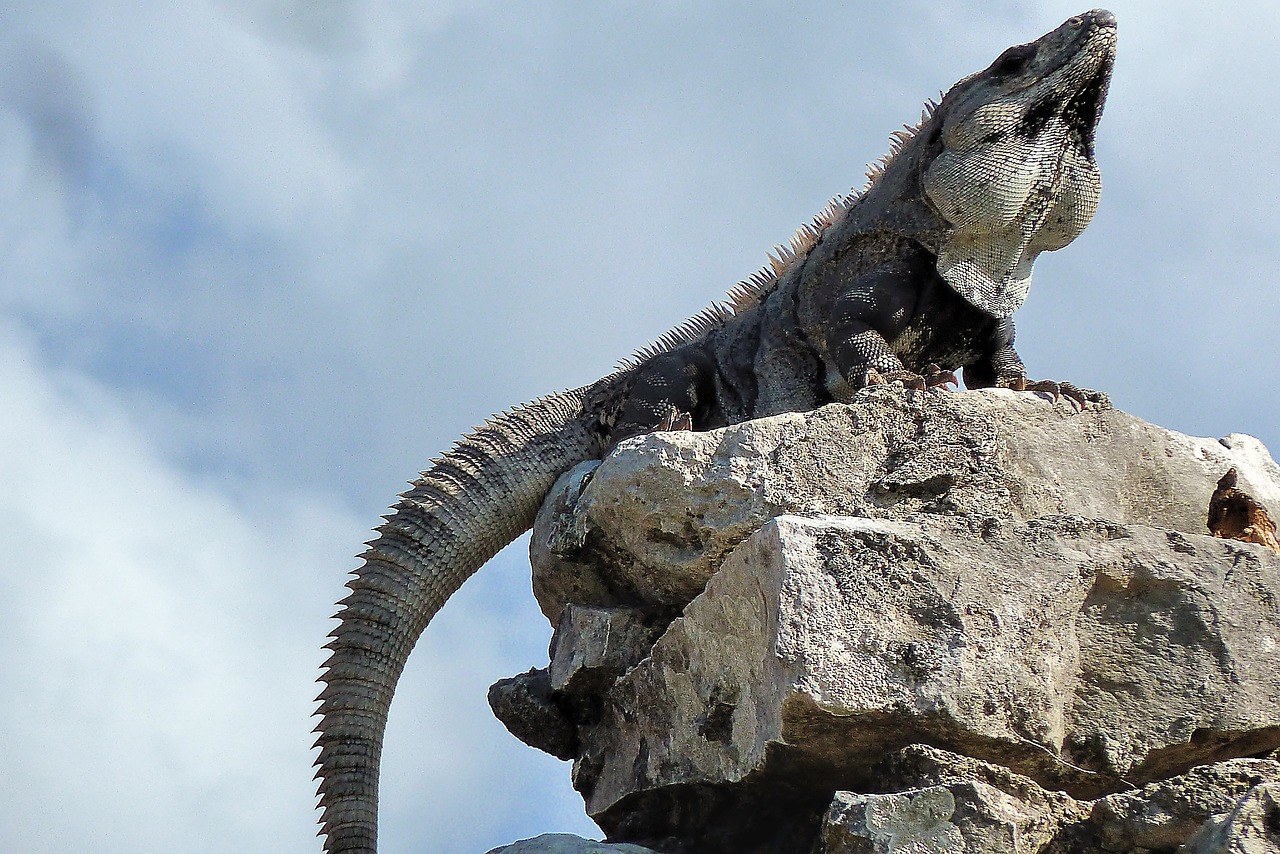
<point x="261" y="259"/>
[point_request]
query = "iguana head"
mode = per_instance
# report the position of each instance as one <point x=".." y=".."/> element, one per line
<point x="1015" y="175"/>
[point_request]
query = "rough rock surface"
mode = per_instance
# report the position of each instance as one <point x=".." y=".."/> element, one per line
<point x="563" y="843"/>
<point x="960" y="804"/>
<point x="1252" y="826"/>
<point x="662" y="512"/>
<point x="753" y="619"/>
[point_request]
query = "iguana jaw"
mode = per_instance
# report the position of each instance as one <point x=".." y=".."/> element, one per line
<point x="1015" y="175"/>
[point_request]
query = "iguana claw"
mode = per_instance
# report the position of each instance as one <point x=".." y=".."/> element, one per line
<point x="936" y="377"/>
<point x="1081" y="398"/>
<point x="932" y="377"/>
<point x="675" y="420"/>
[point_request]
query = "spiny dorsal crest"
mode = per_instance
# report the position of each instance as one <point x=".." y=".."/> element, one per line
<point x="781" y="259"/>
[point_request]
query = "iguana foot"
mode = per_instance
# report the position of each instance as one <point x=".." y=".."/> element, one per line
<point x="932" y="377"/>
<point x="1081" y="398"/>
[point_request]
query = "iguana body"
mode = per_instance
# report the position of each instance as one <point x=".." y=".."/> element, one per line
<point x="913" y="278"/>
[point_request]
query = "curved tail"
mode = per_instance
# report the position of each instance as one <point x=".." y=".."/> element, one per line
<point x="473" y="501"/>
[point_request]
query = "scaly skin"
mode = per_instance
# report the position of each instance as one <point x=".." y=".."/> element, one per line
<point x="912" y="279"/>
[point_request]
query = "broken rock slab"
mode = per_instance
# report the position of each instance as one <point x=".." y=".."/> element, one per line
<point x="1166" y="813"/>
<point x="1088" y="656"/>
<point x="951" y="803"/>
<point x="649" y="525"/>
<point x="965" y="816"/>
<point x="564" y="843"/>
<point x="1252" y="827"/>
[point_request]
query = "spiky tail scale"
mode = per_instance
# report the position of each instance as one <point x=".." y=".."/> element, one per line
<point x="473" y="501"/>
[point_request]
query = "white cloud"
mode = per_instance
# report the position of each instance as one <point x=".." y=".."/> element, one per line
<point x="156" y="661"/>
<point x="159" y="642"/>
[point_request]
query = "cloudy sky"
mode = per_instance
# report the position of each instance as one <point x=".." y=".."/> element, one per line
<point x="261" y="259"/>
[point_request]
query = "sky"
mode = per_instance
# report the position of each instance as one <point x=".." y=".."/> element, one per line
<point x="260" y="260"/>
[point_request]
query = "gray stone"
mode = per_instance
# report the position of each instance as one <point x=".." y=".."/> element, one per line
<point x="1027" y="587"/>
<point x="650" y="524"/>
<point x="1087" y="656"/>
<point x="564" y="843"/>
<point x="1166" y="813"/>
<point x="916" y="820"/>
<point x="920" y="766"/>
<point x="962" y="816"/>
<point x="1252" y="827"/>
<point x="594" y="646"/>
<point x="532" y="713"/>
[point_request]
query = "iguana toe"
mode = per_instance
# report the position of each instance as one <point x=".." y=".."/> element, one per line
<point x="1081" y="398"/>
<point x="936" y="377"/>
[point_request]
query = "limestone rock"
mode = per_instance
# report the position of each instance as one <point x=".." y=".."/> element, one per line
<point x="956" y="803"/>
<point x="1165" y="814"/>
<point x="921" y="766"/>
<point x="958" y="817"/>
<point x="1086" y="656"/>
<point x="594" y="646"/>
<point x="650" y="524"/>
<point x="1028" y="588"/>
<point x="564" y="843"/>
<point x="1252" y="827"/>
<point x="532" y="713"/>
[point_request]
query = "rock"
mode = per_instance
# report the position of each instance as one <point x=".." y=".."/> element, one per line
<point x="958" y="817"/>
<point x="1085" y="656"/>
<point x="1252" y="827"/>
<point x="1027" y="588"/>
<point x="594" y="646"/>
<point x="564" y="843"/>
<point x="1166" y="813"/>
<point x="528" y="709"/>
<point x="650" y="524"/>
<point x="921" y="766"/>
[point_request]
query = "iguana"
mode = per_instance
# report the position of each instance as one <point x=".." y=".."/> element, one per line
<point x="914" y="277"/>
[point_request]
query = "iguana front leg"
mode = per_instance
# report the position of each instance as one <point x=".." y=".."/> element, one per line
<point x="1000" y="367"/>
<point x="871" y="311"/>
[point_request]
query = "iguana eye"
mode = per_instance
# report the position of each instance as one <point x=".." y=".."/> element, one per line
<point x="1013" y="60"/>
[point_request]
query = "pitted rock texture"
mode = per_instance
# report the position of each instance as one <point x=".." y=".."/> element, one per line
<point x="650" y="524"/>
<point x="753" y="619"/>
<point x="1252" y="826"/>
<point x="1087" y="656"/>
<point x="564" y="843"/>
<point x="958" y="817"/>
<point x="959" y="804"/>
<point x="594" y="646"/>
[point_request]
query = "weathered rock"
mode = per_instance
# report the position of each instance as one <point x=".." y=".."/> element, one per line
<point x="1252" y="827"/>
<point x="952" y="803"/>
<point x="1086" y="656"/>
<point x="594" y="646"/>
<point x="564" y="843"/>
<point x="1027" y="587"/>
<point x="532" y="713"/>
<point x="964" y="816"/>
<point x="920" y="766"/>
<point x="650" y="524"/>
<point x="1165" y="814"/>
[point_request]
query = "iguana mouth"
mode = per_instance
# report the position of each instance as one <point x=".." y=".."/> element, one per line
<point x="1083" y="111"/>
